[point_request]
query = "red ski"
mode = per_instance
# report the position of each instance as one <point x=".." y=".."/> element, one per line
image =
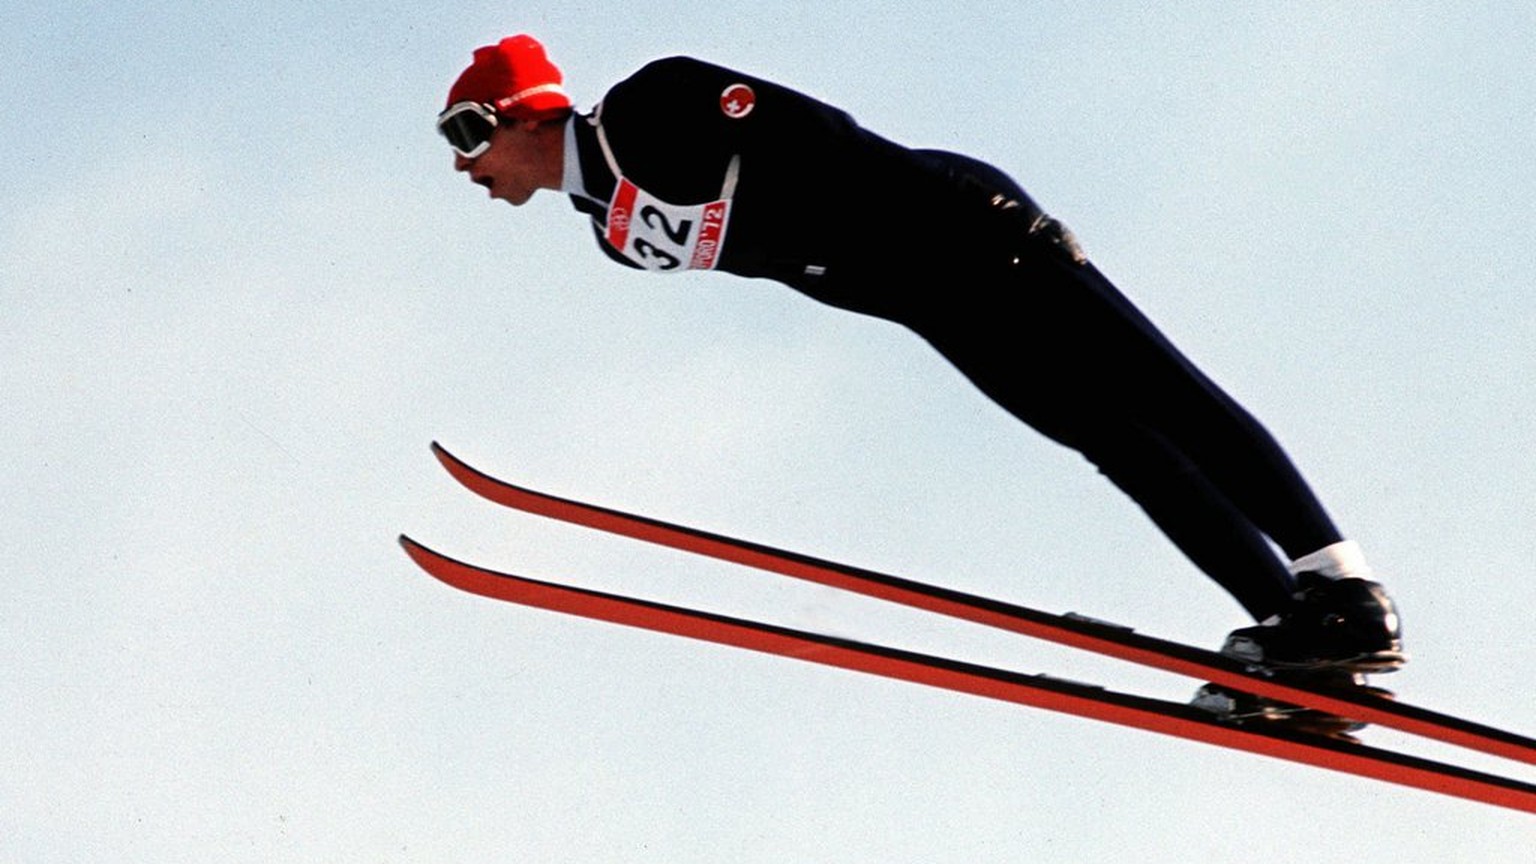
<point x="1168" y="718"/>
<point x="1074" y="630"/>
<point x="1154" y="715"/>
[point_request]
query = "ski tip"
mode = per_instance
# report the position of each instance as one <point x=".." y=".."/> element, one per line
<point x="424" y="556"/>
<point x="412" y="548"/>
<point x="453" y="463"/>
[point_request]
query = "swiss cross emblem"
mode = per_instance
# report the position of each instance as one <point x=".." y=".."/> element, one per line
<point x="737" y="101"/>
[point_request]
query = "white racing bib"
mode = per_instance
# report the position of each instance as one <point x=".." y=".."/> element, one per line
<point x="662" y="237"/>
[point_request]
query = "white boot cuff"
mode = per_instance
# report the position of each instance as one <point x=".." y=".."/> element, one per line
<point x="1344" y="559"/>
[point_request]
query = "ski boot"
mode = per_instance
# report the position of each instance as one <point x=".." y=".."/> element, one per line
<point x="1246" y="709"/>
<point x="1340" y="625"/>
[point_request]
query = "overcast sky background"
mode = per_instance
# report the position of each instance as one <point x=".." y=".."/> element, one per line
<point x="242" y="290"/>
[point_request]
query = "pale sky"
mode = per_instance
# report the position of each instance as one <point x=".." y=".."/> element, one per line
<point x="243" y="290"/>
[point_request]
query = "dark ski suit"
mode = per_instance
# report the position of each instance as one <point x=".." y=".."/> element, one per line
<point x="722" y="170"/>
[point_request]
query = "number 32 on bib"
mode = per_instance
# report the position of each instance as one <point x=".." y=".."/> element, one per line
<point x="662" y="237"/>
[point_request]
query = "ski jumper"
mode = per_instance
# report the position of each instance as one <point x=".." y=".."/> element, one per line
<point x="686" y="165"/>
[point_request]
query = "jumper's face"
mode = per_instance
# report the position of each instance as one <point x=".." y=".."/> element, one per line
<point x="509" y="168"/>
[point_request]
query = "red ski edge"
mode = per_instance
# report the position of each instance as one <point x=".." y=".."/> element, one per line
<point x="1168" y="718"/>
<point x="1086" y="634"/>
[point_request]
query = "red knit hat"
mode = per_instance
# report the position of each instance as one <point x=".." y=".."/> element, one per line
<point x="516" y="78"/>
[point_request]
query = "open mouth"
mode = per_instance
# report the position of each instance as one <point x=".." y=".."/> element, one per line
<point x="487" y="182"/>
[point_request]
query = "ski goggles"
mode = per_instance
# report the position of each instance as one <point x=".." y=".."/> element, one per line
<point x="468" y="127"/>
